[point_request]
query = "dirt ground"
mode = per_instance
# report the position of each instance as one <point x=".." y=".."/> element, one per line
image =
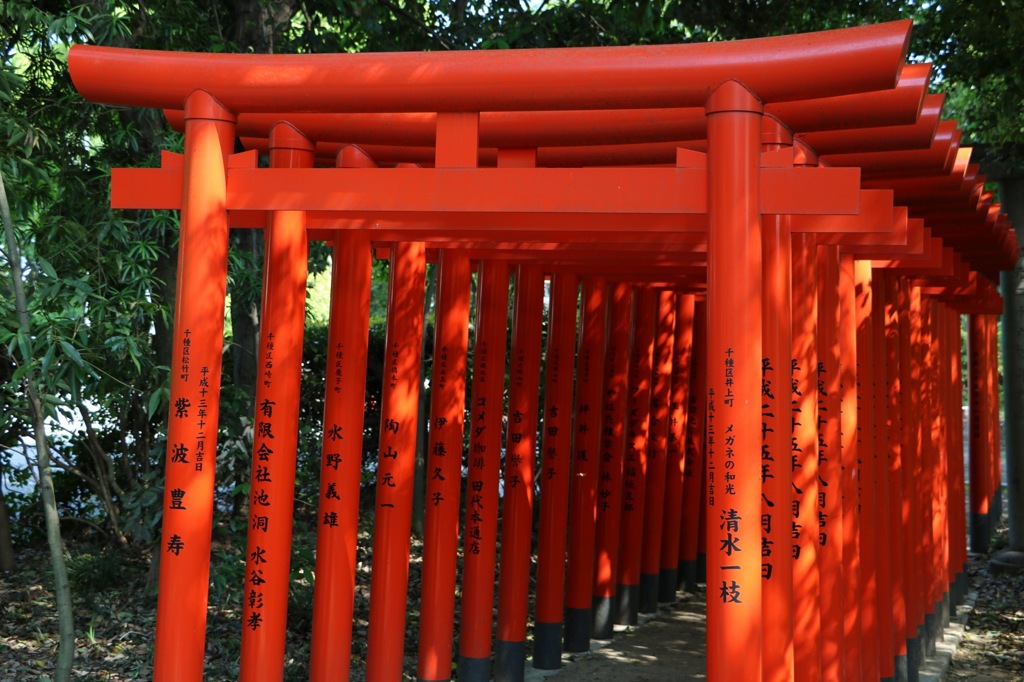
<point x="667" y="648"/>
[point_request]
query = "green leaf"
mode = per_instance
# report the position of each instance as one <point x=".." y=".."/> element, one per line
<point x="25" y="347"/>
<point x="72" y="353"/>
<point x="47" y="268"/>
<point x="154" y="401"/>
<point x="20" y="373"/>
<point x="47" y="359"/>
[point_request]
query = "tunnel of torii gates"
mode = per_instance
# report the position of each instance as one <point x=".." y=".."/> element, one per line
<point x="758" y="255"/>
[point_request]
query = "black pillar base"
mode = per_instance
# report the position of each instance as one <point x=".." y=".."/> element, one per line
<point x="648" y="593"/>
<point x="702" y="568"/>
<point x="509" y="661"/>
<point x="668" y="583"/>
<point x="931" y="633"/>
<point x="688" y="575"/>
<point x="981" y="533"/>
<point x="603" y="610"/>
<point x="915" y="655"/>
<point x="547" y="646"/>
<point x="902" y="674"/>
<point x="945" y="609"/>
<point x="474" y="669"/>
<point x="629" y="604"/>
<point x="577" y="630"/>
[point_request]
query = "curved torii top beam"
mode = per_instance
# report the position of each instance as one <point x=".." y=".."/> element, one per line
<point x="585" y="106"/>
<point x="777" y="69"/>
<point x="901" y="105"/>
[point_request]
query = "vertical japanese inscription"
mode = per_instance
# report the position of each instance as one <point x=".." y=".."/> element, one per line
<point x="185" y="454"/>
<point x="729" y="539"/>
<point x="389" y="427"/>
<point x="516" y="449"/>
<point x="610" y="433"/>
<point x="730" y="591"/>
<point x="438" y="447"/>
<point x="711" y="446"/>
<point x="338" y="367"/>
<point x="180" y="453"/>
<point x="797" y="451"/>
<point x="186" y="356"/>
<point x="583" y="410"/>
<point x="550" y="461"/>
<point x="477" y="453"/>
<point x="330" y="505"/>
<point x="263" y="475"/>
<point x="824" y="452"/>
<point x="768" y="470"/>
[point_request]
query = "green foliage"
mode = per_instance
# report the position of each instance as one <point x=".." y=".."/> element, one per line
<point x="27" y="527"/>
<point x="95" y="298"/>
<point x="96" y="570"/>
<point x="974" y="47"/>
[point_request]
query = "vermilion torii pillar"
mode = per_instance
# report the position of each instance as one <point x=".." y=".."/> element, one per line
<point x="776" y="472"/>
<point x="456" y="136"/>
<point x="676" y="467"/>
<point x="850" y="468"/>
<point x="269" y="541"/>
<point x="894" y="419"/>
<point x="694" y="490"/>
<point x="983" y="424"/>
<point x="734" y="385"/>
<point x="634" y="470"/>
<point x="804" y="462"/>
<point x="658" y="451"/>
<point x="613" y="440"/>
<point x="830" y="554"/>
<point x="885" y="557"/>
<point x="195" y="392"/>
<point x="444" y="468"/>
<point x="585" y="465"/>
<point x="868" y="604"/>
<point x="395" y="468"/>
<point x="480" y="538"/>
<point x="517" y="503"/>
<point x="341" y="459"/>
<point x="555" y="460"/>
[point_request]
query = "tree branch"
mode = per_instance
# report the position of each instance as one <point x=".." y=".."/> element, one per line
<point x="62" y="586"/>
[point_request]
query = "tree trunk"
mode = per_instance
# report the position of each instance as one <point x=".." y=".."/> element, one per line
<point x="8" y="437"/>
<point x="6" y="546"/>
<point x="419" y="488"/>
<point x="1012" y="195"/>
<point x="245" y="327"/>
<point x="61" y="586"/>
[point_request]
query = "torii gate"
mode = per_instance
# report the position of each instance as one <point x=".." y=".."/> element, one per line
<point x="589" y="218"/>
